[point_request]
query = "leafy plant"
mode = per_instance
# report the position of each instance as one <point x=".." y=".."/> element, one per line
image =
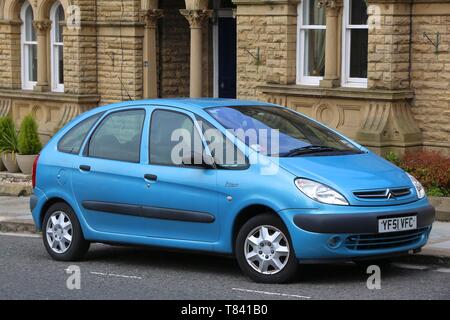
<point x="8" y="136"/>
<point x="28" y="141"/>
<point x="2" y="130"/>
<point x="431" y="168"/>
<point x="393" y="157"/>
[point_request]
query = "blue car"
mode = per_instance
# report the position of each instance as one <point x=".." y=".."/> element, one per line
<point x="255" y="180"/>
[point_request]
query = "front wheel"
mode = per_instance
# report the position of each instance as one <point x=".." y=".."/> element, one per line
<point x="264" y="250"/>
<point x="62" y="234"/>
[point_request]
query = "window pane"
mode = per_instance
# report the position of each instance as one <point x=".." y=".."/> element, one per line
<point x="163" y="125"/>
<point x="32" y="62"/>
<point x="60" y="65"/>
<point x="312" y="14"/>
<point x="225" y="153"/>
<point x="358" y="12"/>
<point x="58" y="26"/>
<point x="294" y="130"/>
<point x="72" y="140"/>
<point x="30" y="34"/>
<point x="314" y="53"/>
<point x="118" y="137"/>
<point x="358" y="53"/>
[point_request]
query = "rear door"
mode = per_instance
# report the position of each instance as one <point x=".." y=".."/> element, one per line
<point x="108" y="182"/>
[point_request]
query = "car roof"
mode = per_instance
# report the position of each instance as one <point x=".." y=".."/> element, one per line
<point x="191" y="104"/>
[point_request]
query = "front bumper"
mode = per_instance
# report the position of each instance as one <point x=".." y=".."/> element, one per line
<point x="360" y="223"/>
<point x="353" y="231"/>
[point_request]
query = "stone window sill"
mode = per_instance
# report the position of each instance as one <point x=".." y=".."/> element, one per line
<point x="48" y="96"/>
<point x="341" y="92"/>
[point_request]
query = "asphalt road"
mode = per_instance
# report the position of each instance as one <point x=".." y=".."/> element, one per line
<point x="27" y="272"/>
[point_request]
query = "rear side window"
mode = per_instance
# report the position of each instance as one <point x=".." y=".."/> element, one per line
<point x="118" y="137"/>
<point x="71" y="142"/>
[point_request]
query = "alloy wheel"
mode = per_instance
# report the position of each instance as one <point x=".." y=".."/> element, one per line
<point x="267" y="249"/>
<point x="59" y="232"/>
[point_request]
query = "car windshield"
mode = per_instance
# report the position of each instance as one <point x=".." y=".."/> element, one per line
<point x="280" y="132"/>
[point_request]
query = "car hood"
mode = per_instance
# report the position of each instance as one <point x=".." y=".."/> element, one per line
<point x="353" y="173"/>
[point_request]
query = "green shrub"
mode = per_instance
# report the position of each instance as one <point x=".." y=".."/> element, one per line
<point x="431" y="168"/>
<point x="8" y="135"/>
<point x="2" y="131"/>
<point x="392" y="157"/>
<point x="29" y="142"/>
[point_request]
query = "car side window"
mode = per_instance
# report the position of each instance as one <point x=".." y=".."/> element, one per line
<point x="171" y="131"/>
<point x="225" y="153"/>
<point x="118" y="137"/>
<point x="71" y="142"/>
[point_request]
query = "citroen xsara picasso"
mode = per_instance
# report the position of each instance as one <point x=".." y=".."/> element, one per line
<point x="262" y="182"/>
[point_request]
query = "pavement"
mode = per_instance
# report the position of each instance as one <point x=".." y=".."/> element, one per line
<point x="15" y="216"/>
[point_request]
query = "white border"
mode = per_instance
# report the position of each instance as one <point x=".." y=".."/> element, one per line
<point x="24" y="49"/>
<point x="56" y="87"/>
<point x="346" y="80"/>
<point x="301" y="48"/>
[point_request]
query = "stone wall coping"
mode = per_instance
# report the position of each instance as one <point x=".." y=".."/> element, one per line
<point x="49" y="96"/>
<point x="345" y="93"/>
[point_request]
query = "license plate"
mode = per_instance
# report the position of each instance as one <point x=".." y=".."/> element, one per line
<point x="397" y="224"/>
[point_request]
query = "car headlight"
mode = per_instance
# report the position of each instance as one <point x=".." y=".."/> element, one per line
<point x="320" y="192"/>
<point x="418" y="186"/>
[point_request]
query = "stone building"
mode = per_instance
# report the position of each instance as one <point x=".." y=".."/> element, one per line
<point x="377" y="70"/>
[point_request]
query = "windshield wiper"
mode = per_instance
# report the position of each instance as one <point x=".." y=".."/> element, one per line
<point x="310" y="149"/>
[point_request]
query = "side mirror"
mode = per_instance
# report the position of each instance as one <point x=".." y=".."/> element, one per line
<point x="196" y="159"/>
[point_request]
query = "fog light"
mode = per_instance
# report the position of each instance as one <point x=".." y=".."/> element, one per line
<point x="334" y="242"/>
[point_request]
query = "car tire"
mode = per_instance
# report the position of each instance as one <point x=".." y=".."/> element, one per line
<point x="271" y="255"/>
<point x="62" y="234"/>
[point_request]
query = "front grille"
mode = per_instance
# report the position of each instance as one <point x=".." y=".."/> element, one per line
<point x="384" y="240"/>
<point x="383" y="193"/>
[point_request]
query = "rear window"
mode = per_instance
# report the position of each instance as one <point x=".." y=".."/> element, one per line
<point x="71" y="142"/>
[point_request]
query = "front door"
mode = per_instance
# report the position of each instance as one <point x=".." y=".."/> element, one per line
<point x="226" y="57"/>
<point x="183" y="199"/>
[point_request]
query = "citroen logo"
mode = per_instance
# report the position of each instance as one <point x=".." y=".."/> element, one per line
<point x="389" y="194"/>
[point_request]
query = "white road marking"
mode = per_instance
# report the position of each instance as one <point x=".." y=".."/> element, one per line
<point x="444" y="270"/>
<point x="22" y="235"/>
<point x="115" y="275"/>
<point x="272" y="293"/>
<point x="411" y="266"/>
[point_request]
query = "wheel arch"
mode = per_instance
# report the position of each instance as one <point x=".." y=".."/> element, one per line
<point x="47" y="205"/>
<point x="246" y="214"/>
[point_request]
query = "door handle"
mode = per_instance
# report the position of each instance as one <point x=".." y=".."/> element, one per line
<point x="85" y="168"/>
<point x="151" y="177"/>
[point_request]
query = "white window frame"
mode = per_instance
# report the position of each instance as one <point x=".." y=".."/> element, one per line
<point x="56" y="86"/>
<point x="348" y="81"/>
<point x="25" y="49"/>
<point x="301" y="48"/>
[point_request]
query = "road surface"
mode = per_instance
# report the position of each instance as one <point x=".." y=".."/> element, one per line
<point x="27" y="272"/>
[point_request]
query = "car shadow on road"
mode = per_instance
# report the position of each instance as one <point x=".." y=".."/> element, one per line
<point x="156" y="259"/>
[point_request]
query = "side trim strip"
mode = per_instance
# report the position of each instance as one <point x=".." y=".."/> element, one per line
<point x="149" y="212"/>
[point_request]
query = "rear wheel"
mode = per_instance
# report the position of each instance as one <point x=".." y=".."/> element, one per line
<point x="62" y="235"/>
<point x="264" y="250"/>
